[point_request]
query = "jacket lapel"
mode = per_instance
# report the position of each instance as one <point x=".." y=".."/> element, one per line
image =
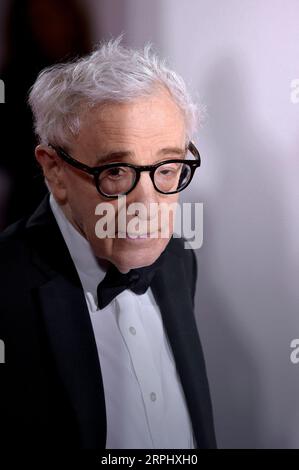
<point x="173" y="295"/>
<point x="68" y="326"/>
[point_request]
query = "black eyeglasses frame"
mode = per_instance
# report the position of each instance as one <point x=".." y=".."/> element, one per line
<point x="97" y="170"/>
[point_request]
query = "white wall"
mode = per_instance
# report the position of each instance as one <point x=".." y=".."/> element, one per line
<point x="239" y="58"/>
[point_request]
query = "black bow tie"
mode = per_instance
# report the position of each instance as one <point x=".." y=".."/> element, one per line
<point x="138" y="280"/>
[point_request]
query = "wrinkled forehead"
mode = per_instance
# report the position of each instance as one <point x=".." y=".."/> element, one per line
<point x="144" y="120"/>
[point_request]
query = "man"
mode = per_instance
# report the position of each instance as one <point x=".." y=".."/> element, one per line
<point x="101" y="345"/>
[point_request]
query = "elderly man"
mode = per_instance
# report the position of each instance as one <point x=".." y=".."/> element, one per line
<point x="101" y="344"/>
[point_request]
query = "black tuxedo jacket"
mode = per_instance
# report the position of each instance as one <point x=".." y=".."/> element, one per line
<point x="51" y="392"/>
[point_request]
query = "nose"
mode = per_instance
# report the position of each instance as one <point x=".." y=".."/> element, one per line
<point x="144" y="190"/>
<point x="144" y="193"/>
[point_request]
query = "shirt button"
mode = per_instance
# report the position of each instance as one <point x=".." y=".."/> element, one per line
<point x="153" y="396"/>
<point x="132" y="330"/>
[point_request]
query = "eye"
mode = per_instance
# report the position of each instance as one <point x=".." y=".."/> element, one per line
<point x="116" y="172"/>
<point x="169" y="170"/>
<point x="166" y="171"/>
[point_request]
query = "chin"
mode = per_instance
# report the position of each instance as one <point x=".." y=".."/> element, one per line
<point x="125" y="262"/>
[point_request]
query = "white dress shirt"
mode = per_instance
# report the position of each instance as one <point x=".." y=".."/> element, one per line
<point x="145" y="403"/>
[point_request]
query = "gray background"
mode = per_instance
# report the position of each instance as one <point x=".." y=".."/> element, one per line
<point x="238" y="58"/>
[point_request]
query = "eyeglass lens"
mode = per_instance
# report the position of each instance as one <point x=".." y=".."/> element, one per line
<point x="168" y="177"/>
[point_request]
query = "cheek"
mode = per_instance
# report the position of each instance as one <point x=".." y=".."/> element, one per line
<point x="81" y="193"/>
<point x="93" y="222"/>
<point x="77" y="185"/>
<point x="168" y="212"/>
<point x="102" y="247"/>
<point x="82" y="201"/>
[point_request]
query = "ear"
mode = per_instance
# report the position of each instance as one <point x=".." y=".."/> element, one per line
<point x="53" y="170"/>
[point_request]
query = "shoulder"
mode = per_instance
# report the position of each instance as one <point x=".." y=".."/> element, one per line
<point x="12" y="238"/>
<point x="15" y="266"/>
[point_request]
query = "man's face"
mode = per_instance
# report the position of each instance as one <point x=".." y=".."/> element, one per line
<point x="145" y="128"/>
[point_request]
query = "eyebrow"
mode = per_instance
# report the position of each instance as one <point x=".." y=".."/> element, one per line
<point x="119" y="155"/>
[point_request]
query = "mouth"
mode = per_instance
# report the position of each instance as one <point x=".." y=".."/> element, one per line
<point x="134" y="236"/>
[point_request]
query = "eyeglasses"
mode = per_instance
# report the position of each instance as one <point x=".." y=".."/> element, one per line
<point x="117" y="179"/>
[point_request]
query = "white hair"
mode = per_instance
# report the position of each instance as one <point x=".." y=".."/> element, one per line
<point x="111" y="73"/>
